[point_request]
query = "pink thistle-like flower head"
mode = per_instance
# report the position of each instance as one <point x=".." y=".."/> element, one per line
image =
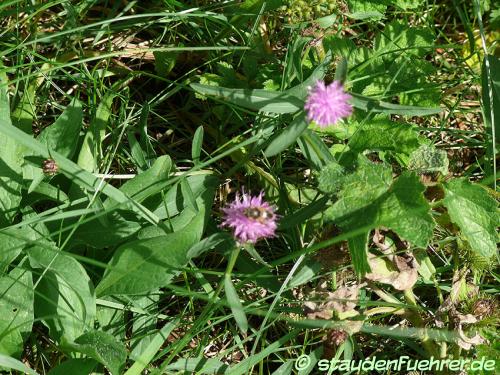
<point x="326" y="105"/>
<point x="250" y="218"/>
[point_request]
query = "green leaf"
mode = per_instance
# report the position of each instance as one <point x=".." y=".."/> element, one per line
<point x="150" y="351"/>
<point x="147" y="183"/>
<point x="10" y="161"/>
<point x="170" y="204"/>
<point x="307" y="271"/>
<point x="12" y="241"/>
<point x="62" y="135"/>
<point x="407" y="4"/>
<point x="16" y="310"/>
<point x="65" y="295"/>
<point x="235" y="304"/>
<point x="385" y="135"/>
<point x="74" y="366"/>
<point x="300" y="216"/>
<point x="314" y="149"/>
<point x="14" y="364"/>
<point x="476" y="214"/>
<point x="75" y="173"/>
<point x="143" y="324"/>
<point x="110" y="229"/>
<point x="197" y="145"/>
<point x="428" y="159"/>
<point x="376" y="106"/>
<point x="244" y="366"/>
<point x="371" y="199"/>
<point x="366" y="9"/>
<point x="281" y="140"/>
<point x="257" y="100"/>
<point x="398" y="37"/>
<point x="405" y="210"/>
<point x="491" y="108"/>
<point x="90" y="151"/>
<point x="331" y="178"/>
<point x="165" y="62"/>
<point x="103" y="348"/>
<point x="147" y="264"/>
<point x="201" y="365"/>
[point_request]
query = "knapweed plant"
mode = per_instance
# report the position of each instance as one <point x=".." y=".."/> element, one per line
<point x="248" y="187"/>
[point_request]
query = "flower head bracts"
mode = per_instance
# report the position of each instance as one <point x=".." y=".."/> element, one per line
<point x="326" y="105"/>
<point x="250" y="218"/>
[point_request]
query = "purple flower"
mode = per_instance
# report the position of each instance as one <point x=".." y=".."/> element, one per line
<point x="325" y="105"/>
<point x="250" y="218"/>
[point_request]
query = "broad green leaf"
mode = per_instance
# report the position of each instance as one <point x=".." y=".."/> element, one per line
<point x="143" y="265"/>
<point x="62" y="135"/>
<point x="476" y="214"/>
<point x="369" y="182"/>
<point x="102" y="347"/>
<point x="107" y="230"/>
<point x="287" y="136"/>
<point x="16" y="310"/>
<point x="402" y="209"/>
<point x="187" y="193"/>
<point x="385" y="135"/>
<point x="74" y="366"/>
<point x="147" y="183"/>
<point x="331" y="178"/>
<point x="366" y="9"/>
<point x="398" y="37"/>
<point x="46" y="192"/>
<point x="14" y="364"/>
<point x="369" y="198"/>
<point x="65" y="296"/>
<point x="10" y="161"/>
<point x="174" y="200"/>
<point x="235" y="304"/>
<point x="429" y="159"/>
<point x="79" y="176"/>
<point x="12" y="241"/>
<point x="147" y="264"/>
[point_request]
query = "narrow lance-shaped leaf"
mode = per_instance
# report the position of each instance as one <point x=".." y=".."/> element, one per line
<point x="235" y="304"/>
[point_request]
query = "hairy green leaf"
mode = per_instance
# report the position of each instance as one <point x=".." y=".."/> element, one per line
<point x="476" y="214"/>
<point x="102" y="347"/>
